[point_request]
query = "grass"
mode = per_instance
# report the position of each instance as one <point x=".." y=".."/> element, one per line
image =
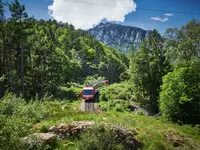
<point x="153" y="132"/>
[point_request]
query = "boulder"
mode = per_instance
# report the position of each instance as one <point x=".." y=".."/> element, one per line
<point x="114" y="135"/>
<point x="40" y="139"/>
<point x="175" y="138"/>
<point x="64" y="131"/>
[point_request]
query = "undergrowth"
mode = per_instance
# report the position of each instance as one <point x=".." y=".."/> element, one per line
<point x="19" y="119"/>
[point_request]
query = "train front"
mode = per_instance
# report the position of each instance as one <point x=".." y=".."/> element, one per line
<point x="88" y="93"/>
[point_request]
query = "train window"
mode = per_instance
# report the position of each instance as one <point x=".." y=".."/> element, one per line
<point x="87" y="92"/>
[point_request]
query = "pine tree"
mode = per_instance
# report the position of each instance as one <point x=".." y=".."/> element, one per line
<point x="147" y="69"/>
<point x="18" y="16"/>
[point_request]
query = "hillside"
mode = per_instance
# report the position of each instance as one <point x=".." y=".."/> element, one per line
<point x="55" y="55"/>
<point x="65" y="120"/>
<point x="118" y="36"/>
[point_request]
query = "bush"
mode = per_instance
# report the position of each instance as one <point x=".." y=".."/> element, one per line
<point x="102" y="137"/>
<point x="117" y="105"/>
<point x="116" y="97"/>
<point x="121" y="91"/>
<point x="16" y="119"/>
<point x="71" y="92"/>
<point x="180" y="95"/>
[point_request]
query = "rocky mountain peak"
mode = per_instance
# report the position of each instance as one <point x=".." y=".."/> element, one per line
<point x="119" y="36"/>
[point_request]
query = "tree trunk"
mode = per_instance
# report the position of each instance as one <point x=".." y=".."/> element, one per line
<point x="1" y="74"/>
<point x="2" y="65"/>
<point x="22" y="71"/>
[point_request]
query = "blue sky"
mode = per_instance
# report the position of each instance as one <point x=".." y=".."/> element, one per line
<point x="140" y="18"/>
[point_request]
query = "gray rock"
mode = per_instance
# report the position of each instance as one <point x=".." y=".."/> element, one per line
<point x="39" y="139"/>
<point x="118" y="36"/>
<point x="64" y="131"/>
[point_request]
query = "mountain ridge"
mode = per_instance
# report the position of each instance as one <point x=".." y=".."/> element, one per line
<point x="119" y="36"/>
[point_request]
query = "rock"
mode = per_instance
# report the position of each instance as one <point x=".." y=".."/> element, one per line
<point x="64" y="131"/>
<point x="53" y="129"/>
<point x="175" y="138"/>
<point x="75" y="128"/>
<point x="133" y="106"/>
<point x="119" y="37"/>
<point x="40" y="139"/>
<point x="82" y="123"/>
<point x="114" y="135"/>
<point x="62" y="126"/>
<point x="46" y="137"/>
<point x="128" y="136"/>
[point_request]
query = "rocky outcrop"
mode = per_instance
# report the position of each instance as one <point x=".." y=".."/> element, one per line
<point x="118" y="36"/>
<point x="74" y="129"/>
<point x="176" y="139"/>
<point x="39" y="139"/>
<point x="64" y="131"/>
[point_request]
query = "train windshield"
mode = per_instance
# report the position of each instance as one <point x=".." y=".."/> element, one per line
<point x="87" y="92"/>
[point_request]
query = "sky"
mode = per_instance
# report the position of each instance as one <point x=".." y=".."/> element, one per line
<point x="146" y="14"/>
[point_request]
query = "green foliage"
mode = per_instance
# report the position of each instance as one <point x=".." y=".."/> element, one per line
<point x="121" y="91"/>
<point x="179" y="98"/>
<point x="153" y="132"/>
<point x="16" y="119"/>
<point x="125" y="76"/>
<point x="38" y="57"/>
<point x="148" y="66"/>
<point x="116" y="97"/>
<point x="116" y="105"/>
<point x="71" y="93"/>
<point x="92" y="79"/>
<point x="183" y="44"/>
<point x="111" y="67"/>
<point x="103" y="137"/>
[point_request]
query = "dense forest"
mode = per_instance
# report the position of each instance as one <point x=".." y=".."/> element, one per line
<point x="42" y="58"/>
<point x="39" y="57"/>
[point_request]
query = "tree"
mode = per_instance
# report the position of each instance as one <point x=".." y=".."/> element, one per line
<point x="183" y="45"/>
<point x="18" y="15"/>
<point x="111" y="67"/>
<point x="148" y="66"/>
<point x="1" y="44"/>
<point x="179" y="98"/>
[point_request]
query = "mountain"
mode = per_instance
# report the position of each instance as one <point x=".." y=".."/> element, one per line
<point x="118" y="36"/>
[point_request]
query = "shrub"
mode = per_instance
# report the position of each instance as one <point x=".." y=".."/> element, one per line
<point x="70" y="93"/>
<point x="104" y="137"/>
<point x="117" y="105"/>
<point x="116" y="97"/>
<point x="121" y="91"/>
<point x="180" y="95"/>
<point x="16" y="119"/>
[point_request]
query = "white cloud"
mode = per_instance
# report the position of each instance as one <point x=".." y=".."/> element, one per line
<point x="159" y="19"/>
<point x="87" y="13"/>
<point x="168" y="14"/>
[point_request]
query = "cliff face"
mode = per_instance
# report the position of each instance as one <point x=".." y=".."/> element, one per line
<point x="118" y="36"/>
